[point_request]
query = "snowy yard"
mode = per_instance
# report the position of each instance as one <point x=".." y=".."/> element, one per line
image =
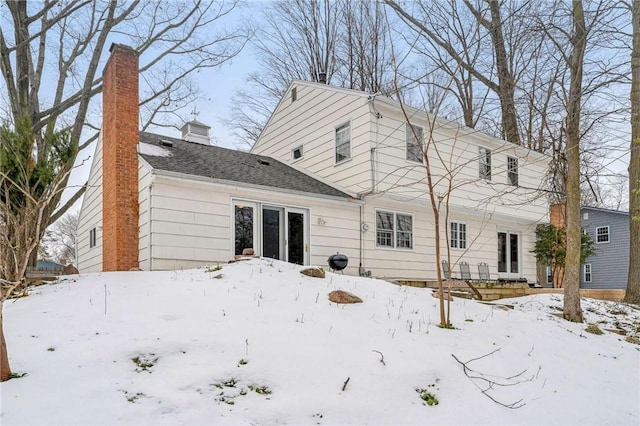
<point x="257" y="343"/>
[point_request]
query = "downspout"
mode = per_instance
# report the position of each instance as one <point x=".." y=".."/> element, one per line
<point x="372" y="188"/>
<point x="150" y="226"/>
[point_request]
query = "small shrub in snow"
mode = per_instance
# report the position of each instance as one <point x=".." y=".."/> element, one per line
<point x="262" y="390"/>
<point x="144" y="362"/>
<point x="428" y="396"/>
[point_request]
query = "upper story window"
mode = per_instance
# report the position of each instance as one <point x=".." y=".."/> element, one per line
<point x="343" y="143"/>
<point x="415" y="138"/>
<point x="485" y="163"/>
<point x="602" y="234"/>
<point x="92" y="237"/>
<point x="297" y="153"/>
<point x="587" y="272"/>
<point x="394" y="230"/>
<point x="458" y="235"/>
<point x="512" y="171"/>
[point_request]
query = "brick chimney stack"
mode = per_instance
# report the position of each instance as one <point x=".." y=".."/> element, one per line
<point x="120" y="137"/>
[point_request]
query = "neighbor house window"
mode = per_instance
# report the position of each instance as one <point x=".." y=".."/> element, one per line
<point x="458" y="235"/>
<point x="512" y="171"/>
<point x="414" y="143"/>
<point x="92" y="237"/>
<point x="343" y="143"/>
<point x="394" y="230"/>
<point x="485" y="163"/>
<point x="296" y="152"/>
<point x="602" y="234"/>
<point x="587" y="272"/>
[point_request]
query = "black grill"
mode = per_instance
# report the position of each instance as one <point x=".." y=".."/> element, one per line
<point x="338" y="261"/>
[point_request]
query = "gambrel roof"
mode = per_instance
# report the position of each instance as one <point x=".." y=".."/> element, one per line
<point x="180" y="156"/>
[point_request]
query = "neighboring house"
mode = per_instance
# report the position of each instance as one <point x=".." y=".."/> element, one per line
<point x="48" y="265"/>
<point x="608" y="268"/>
<point x="334" y="170"/>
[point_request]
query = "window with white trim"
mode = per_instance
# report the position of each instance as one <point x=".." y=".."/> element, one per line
<point x="512" y="171"/>
<point x="415" y="138"/>
<point x="602" y="234"/>
<point x="297" y="153"/>
<point x="343" y="143"/>
<point x="587" y="272"/>
<point x="485" y="163"/>
<point x="394" y="230"/>
<point x="458" y="235"/>
<point x="92" y="237"/>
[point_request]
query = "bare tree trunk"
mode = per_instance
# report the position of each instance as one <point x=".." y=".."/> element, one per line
<point x="572" y="310"/>
<point x="633" y="285"/>
<point x="5" y="368"/>
<point x="506" y="81"/>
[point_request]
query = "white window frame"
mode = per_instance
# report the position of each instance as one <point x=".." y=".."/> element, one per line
<point x="456" y="241"/>
<point x="93" y="237"/>
<point x="607" y="234"/>
<point x="587" y="273"/>
<point x="293" y="151"/>
<point x="414" y="147"/>
<point x="512" y="170"/>
<point x="339" y="130"/>
<point x="484" y="163"/>
<point x="395" y="233"/>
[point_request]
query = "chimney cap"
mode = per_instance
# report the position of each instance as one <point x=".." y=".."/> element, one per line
<point x="122" y="47"/>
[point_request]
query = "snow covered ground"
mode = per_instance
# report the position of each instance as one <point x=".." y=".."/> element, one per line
<point x="257" y="343"/>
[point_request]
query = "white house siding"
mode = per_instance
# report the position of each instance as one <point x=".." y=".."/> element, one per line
<point x="458" y="149"/>
<point x="419" y="263"/>
<point x="90" y="259"/>
<point x="310" y="122"/>
<point x="192" y="222"/>
<point x="145" y="179"/>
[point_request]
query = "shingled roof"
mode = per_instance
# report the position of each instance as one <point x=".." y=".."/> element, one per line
<point x="177" y="155"/>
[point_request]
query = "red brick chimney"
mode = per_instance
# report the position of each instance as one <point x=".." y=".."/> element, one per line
<point x="558" y="214"/>
<point x="120" y="137"/>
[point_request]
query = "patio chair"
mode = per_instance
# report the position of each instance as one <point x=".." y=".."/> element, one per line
<point x="446" y="270"/>
<point x="465" y="272"/>
<point x="484" y="274"/>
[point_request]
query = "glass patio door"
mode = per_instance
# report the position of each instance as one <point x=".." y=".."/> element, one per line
<point x="508" y="253"/>
<point x="284" y="234"/>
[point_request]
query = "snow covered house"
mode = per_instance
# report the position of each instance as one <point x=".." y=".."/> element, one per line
<point x="334" y="170"/>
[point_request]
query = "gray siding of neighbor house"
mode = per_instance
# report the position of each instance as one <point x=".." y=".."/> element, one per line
<point x="610" y="263"/>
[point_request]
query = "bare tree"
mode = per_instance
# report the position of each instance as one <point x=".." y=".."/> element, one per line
<point x="60" y="238"/>
<point x="575" y="61"/>
<point x="489" y="16"/>
<point x="338" y="42"/>
<point x="633" y="286"/>
<point x="51" y="53"/>
<point x="28" y="189"/>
